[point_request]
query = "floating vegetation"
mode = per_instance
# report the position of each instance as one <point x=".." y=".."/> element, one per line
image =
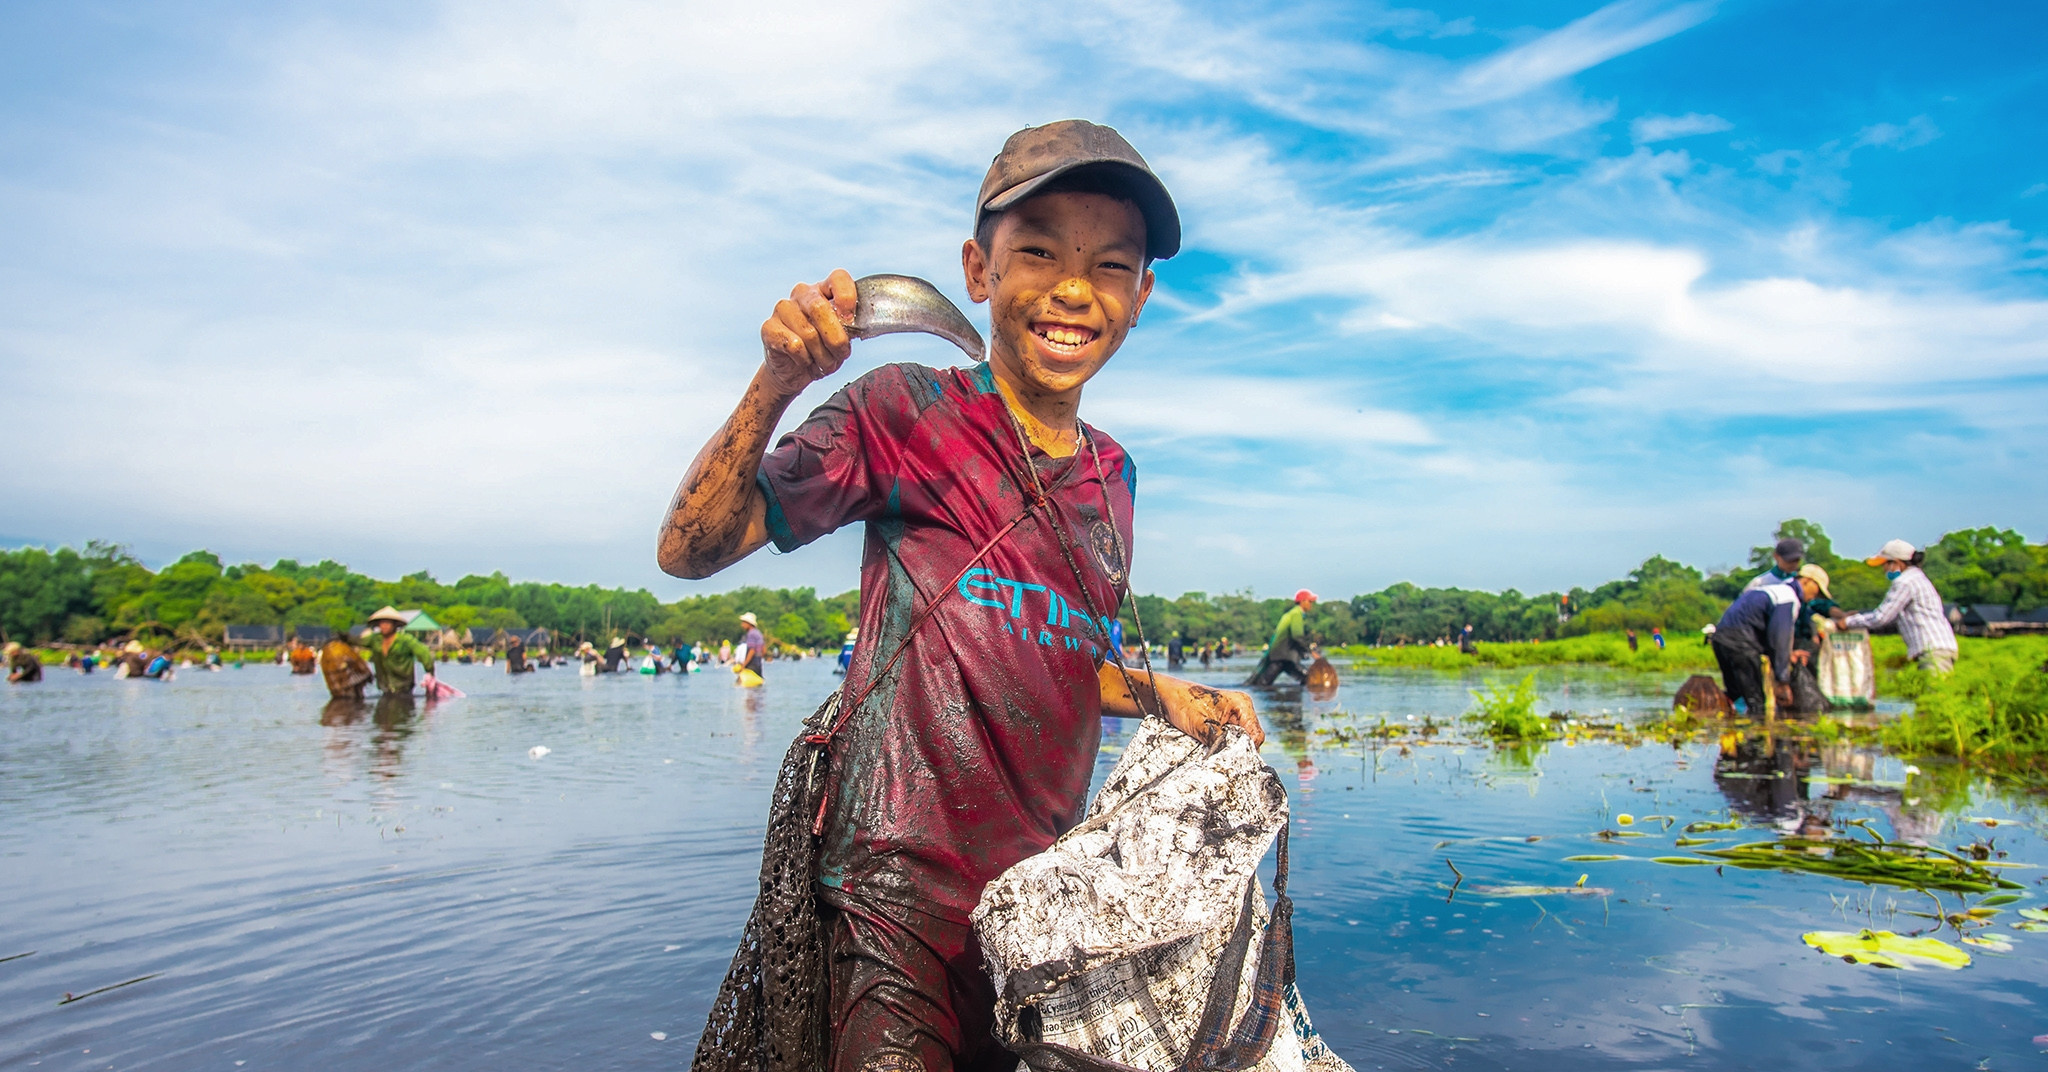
<point x="1591" y="859"/>
<point x="1688" y="842"/>
<point x="1682" y="861"/>
<point x="1709" y="825"/>
<point x="1887" y="863"/>
<point x="1884" y="949"/>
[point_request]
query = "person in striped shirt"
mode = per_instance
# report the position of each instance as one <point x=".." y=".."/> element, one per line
<point x="1913" y="603"/>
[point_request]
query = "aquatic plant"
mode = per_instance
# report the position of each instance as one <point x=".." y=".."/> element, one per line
<point x="1510" y="713"/>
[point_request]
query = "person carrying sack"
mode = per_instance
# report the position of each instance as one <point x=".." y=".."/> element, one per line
<point x="997" y="552"/>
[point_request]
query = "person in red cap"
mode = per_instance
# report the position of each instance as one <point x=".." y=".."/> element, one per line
<point x="1289" y="646"/>
<point x="997" y="552"/>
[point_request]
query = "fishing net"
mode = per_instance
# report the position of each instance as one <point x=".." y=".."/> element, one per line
<point x="770" y="1015"/>
<point x="344" y="668"/>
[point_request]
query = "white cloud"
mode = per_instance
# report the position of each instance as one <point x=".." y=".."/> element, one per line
<point x="1618" y="28"/>
<point x="1287" y="414"/>
<point x="1654" y="128"/>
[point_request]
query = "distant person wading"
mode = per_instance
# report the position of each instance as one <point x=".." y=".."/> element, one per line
<point x="752" y="643"/>
<point x="393" y="653"/>
<point x="1289" y="648"/>
<point x="22" y="665"/>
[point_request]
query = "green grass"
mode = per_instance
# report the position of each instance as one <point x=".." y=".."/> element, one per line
<point x="1993" y="710"/>
<point x="1683" y="653"/>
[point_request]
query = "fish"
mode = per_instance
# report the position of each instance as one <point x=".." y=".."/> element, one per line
<point x="888" y="304"/>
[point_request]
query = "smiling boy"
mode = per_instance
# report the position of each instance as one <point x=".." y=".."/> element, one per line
<point x="992" y="508"/>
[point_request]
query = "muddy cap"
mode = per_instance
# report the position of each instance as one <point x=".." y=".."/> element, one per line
<point x="1035" y="156"/>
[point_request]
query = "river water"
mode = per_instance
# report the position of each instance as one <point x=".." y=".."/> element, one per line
<point x="413" y="887"/>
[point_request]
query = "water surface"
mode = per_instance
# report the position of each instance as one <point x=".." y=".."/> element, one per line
<point x="405" y="886"/>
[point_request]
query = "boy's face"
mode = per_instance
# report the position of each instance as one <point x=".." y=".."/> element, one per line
<point x="1064" y="277"/>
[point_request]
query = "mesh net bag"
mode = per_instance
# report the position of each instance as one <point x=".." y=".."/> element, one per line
<point x="770" y="1015"/>
<point x="1140" y="940"/>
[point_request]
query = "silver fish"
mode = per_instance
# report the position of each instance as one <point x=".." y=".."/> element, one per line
<point x="886" y="304"/>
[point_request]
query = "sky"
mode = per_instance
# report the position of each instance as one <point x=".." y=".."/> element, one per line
<point x="1479" y="294"/>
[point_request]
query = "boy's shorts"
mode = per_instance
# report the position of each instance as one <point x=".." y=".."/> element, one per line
<point x="910" y="996"/>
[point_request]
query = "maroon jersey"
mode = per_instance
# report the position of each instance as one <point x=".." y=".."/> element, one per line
<point x="976" y="749"/>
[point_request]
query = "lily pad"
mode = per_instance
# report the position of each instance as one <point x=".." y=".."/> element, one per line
<point x="2038" y="915"/>
<point x="1993" y="942"/>
<point x="1685" y="842"/>
<point x="1683" y="861"/>
<point x="1997" y="899"/>
<point x="1884" y="949"/>
<point x="2031" y="927"/>
<point x="1590" y="859"/>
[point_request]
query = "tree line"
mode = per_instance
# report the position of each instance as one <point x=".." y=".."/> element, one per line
<point x="103" y="592"/>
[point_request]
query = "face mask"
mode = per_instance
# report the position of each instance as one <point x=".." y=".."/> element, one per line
<point x="1893" y="574"/>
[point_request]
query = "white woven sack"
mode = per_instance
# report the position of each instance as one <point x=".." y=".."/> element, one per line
<point x="1108" y="941"/>
<point x="1847" y="673"/>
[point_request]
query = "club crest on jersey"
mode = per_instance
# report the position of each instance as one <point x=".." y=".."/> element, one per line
<point x="1103" y="539"/>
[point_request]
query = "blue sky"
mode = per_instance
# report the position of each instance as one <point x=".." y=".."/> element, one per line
<point x="1505" y="294"/>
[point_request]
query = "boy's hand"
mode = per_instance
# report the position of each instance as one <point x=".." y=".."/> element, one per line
<point x="805" y="339"/>
<point x="1204" y="711"/>
<point x="1196" y="710"/>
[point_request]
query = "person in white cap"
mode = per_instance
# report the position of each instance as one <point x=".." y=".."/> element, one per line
<point x="1913" y="603"/>
<point x="752" y="644"/>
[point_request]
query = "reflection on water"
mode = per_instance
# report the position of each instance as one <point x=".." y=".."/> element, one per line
<point x="550" y="871"/>
<point x="1768" y="774"/>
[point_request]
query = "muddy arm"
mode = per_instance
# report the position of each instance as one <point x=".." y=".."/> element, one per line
<point x="1193" y="709"/>
<point x="718" y="515"/>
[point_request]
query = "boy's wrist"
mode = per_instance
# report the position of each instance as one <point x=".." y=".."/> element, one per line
<point x="774" y="388"/>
